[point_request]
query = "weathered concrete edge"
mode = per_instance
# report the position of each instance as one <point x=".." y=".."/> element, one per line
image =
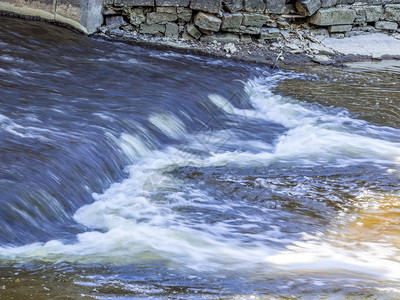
<point x="88" y="22"/>
<point x="26" y="11"/>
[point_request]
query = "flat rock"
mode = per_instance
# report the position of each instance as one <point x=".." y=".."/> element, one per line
<point x="275" y="6"/>
<point x="134" y="2"/>
<point x="392" y="12"/>
<point x="328" y="3"/>
<point x="375" y="44"/>
<point x="321" y="49"/>
<point x="180" y="3"/>
<point x="308" y="7"/>
<point x="390" y="26"/>
<point x="207" y="22"/>
<point x="254" y="5"/>
<point x="115" y="21"/>
<point x="221" y="38"/>
<point x="322" y="59"/>
<point x="152" y="29"/>
<point x="254" y="20"/>
<point x="161" y="18"/>
<point x="339" y="28"/>
<point x="373" y="13"/>
<point x="193" y="31"/>
<point x="233" y="5"/>
<point x="269" y="33"/>
<point x="231" y="21"/>
<point x="212" y="6"/>
<point x="171" y="30"/>
<point x="333" y="16"/>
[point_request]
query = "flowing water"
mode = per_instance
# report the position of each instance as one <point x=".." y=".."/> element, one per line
<point x="129" y="173"/>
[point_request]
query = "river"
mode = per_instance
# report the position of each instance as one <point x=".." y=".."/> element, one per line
<point x="132" y="173"/>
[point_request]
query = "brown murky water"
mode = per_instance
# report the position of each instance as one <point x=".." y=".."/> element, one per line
<point x="369" y="90"/>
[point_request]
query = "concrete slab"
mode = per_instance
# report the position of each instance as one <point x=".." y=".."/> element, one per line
<point x="84" y="15"/>
<point x="375" y="45"/>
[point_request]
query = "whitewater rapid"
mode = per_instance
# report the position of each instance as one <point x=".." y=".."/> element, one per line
<point x="137" y="219"/>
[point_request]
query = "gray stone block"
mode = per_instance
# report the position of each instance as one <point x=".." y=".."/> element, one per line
<point x="187" y="36"/>
<point x="339" y="28"/>
<point x="360" y="19"/>
<point x="115" y="21"/>
<point x="392" y="12"/>
<point x="245" y="39"/>
<point x="290" y="9"/>
<point x="345" y="1"/>
<point x="193" y="31"/>
<point x="137" y="16"/>
<point x="106" y="11"/>
<point x="320" y="49"/>
<point x="152" y="29"/>
<point x="328" y="3"/>
<point x="166" y="9"/>
<point x="250" y="30"/>
<point x="231" y="21"/>
<point x="233" y="5"/>
<point x="212" y="6"/>
<point x="269" y="34"/>
<point x="134" y="2"/>
<point x="373" y="13"/>
<point x="184" y="14"/>
<point x="177" y="3"/>
<point x="384" y="25"/>
<point x="160" y="18"/>
<point x="254" y="20"/>
<point x="333" y="16"/>
<point x="207" y="22"/>
<point x="171" y="30"/>
<point x="285" y="34"/>
<point x="221" y="38"/>
<point x="205" y="31"/>
<point x="275" y="6"/>
<point x="254" y="5"/>
<point x="308" y="7"/>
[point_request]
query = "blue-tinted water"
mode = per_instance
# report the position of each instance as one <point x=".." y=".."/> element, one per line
<point x="127" y="172"/>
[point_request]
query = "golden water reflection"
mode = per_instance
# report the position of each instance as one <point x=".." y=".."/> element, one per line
<point x="377" y="222"/>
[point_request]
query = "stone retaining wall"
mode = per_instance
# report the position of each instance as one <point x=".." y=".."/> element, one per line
<point x="247" y="20"/>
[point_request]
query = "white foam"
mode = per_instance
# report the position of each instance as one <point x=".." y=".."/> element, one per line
<point x="313" y="136"/>
<point x="168" y="124"/>
<point x="3" y="118"/>
<point x="125" y="224"/>
<point x="322" y="255"/>
<point x="133" y="146"/>
<point x="28" y="132"/>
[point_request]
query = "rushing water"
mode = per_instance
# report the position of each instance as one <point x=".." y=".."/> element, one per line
<point x="134" y="173"/>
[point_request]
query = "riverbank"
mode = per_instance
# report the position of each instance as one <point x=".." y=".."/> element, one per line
<point x="273" y="32"/>
<point x="293" y="48"/>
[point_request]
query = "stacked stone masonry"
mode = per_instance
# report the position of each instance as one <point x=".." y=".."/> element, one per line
<point x="248" y="20"/>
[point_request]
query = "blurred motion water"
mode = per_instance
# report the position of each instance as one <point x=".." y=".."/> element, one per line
<point x="127" y="172"/>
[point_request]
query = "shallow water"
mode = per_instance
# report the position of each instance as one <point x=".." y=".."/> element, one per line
<point x="133" y="173"/>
